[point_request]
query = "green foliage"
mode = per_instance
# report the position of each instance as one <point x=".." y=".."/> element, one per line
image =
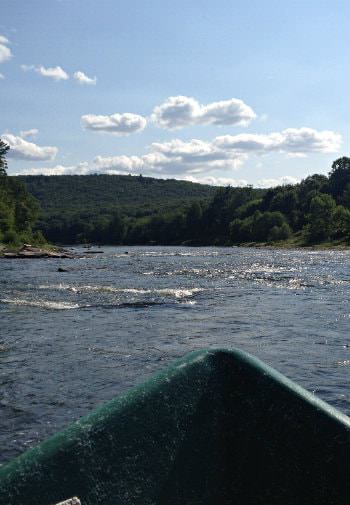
<point x="320" y="218"/>
<point x="341" y="223"/>
<point x="339" y="176"/>
<point x="116" y="228"/>
<point x="18" y="209"/>
<point x="141" y="210"/>
<point x="4" y="148"/>
<point x="80" y="208"/>
<point x="260" y="227"/>
<point x="248" y="208"/>
<point x="282" y="232"/>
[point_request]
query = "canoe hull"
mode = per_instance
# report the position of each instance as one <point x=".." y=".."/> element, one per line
<point x="216" y="427"/>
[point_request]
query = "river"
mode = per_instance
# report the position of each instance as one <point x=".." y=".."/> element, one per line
<point x="72" y="340"/>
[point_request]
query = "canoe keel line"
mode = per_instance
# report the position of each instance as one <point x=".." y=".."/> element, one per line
<point x="217" y="427"/>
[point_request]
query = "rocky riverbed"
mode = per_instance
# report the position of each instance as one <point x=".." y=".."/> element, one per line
<point x="29" y="251"/>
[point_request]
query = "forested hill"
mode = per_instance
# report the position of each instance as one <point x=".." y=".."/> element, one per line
<point x="98" y="208"/>
<point x="132" y="195"/>
<point x="137" y="210"/>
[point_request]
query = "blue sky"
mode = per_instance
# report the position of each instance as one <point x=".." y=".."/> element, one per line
<point x="222" y="92"/>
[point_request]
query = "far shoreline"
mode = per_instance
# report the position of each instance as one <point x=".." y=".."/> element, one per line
<point x="54" y="251"/>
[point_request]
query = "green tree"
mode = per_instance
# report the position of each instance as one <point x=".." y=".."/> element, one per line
<point x="263" y="223"/>
<point x="281" y="232"/>
<point x="320" y="217"/>
<point x="339" y="176"/>
<point x="116" y="228"/>
<point x="4" y="148"/>
<point x="341" y="223"/>
<point x="193" y="218"/>
<point x="345" y="198"/>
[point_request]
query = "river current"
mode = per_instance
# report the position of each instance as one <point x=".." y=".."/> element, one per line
<point x="72" y="340"/>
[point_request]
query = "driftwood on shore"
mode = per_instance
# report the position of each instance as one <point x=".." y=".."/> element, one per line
<point x="29" y="251"/>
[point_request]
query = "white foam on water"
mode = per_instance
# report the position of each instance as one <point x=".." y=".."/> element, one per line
<point x="44" y="304"/>
<point x="346" y="362"/>
<point x="157" y="254"/>
<point x="177" y="292"/>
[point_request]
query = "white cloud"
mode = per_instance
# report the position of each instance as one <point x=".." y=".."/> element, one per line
<point x="80" y="169"/>
<point x="5" y="51"/>
<point x="180" y="111"/>
<point x="23" y="150"/>
<point x="251" y="142"/>
<point x="209" y="162"/>
<point x="82" y="78"/>
<point x="281" y="181"/>
<point x="119" y="124"/>
<point x="58" y="74"/>
<point x="227" y="112"/>
<point x="217" y="181"/>
<point x="121" y="165"/>
<point x="303" y="140"/>
<point x="55" y="73"/>
<point x="2" y="76"/>
<point x="29" y="133"/>
<point x="196" y="155"/>
<point x="296" y="141"/>
<point x="174" y="157"/>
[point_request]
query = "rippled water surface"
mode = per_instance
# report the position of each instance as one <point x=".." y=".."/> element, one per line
<point x="71" y="340"/>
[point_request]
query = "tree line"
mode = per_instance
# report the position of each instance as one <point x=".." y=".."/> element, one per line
<point x="173" y="212"/>
<point x="314" y="211"/>
<point x="19" y="210"/>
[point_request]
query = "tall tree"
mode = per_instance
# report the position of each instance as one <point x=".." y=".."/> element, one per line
<point x="3" y="151"/>
<point x="339" y="176"/>
<point x="320" y="218"/>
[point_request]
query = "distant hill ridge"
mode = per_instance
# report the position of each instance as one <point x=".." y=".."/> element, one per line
<point x="134" y="195"/>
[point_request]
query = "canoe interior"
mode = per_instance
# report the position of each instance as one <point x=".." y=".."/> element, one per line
<point x="217" y="427"/>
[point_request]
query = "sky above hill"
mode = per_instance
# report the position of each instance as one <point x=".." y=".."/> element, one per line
<point x="226" y="92"/>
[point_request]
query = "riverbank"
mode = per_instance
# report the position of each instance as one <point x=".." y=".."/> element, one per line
<point x="53" y="251"/>
<point x="30" y="251"/>
<point x="294" y="245"/>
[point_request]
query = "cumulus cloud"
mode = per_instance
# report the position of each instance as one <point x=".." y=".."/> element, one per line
<point x="119" y="124"/>
<point x="217" y="181"/>
<point x="5" y="51"/>
<point x="80" y="169"/>
<point x="23" y="150"/>
<point x="209" y="162"/>
<point x="122" y="164"/>
<point x="82" y="78"/>
<point x="174" y="157"/>
<point x="280" y="181"/>
<point x="296" y="141"/>
<point x="29" y="133"/>
<point x="56" y="73"/>
<point x="180" y="111"/>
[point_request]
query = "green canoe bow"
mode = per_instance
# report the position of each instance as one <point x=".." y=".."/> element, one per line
<point x="217" y="427"/>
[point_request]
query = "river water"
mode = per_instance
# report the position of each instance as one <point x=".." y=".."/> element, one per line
<point x="72" y="340"/>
